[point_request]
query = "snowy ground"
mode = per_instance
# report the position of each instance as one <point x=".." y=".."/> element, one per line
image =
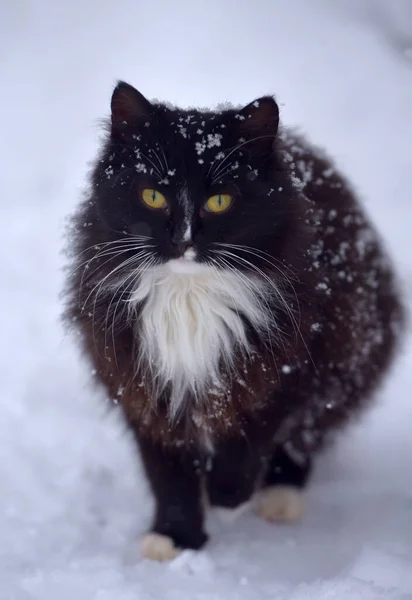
<point x="73" y="501"/>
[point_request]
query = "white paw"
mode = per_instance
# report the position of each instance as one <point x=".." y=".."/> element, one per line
<point x="280" y="503"/>
<point x="158" y="547"/>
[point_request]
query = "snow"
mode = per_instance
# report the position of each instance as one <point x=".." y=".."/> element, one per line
<point x="73" y="501"/>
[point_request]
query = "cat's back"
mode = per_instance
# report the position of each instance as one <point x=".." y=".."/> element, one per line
<point x="344" y="239"/>
<point x="358" y="311"/>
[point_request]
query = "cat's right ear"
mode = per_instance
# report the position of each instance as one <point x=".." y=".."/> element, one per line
<point x="129" y="108"/>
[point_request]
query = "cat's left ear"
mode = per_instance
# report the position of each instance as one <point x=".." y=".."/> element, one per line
<point x="259" y="120"/>
<point x="129" y="108"/>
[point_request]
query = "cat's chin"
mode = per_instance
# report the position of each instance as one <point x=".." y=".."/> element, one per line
<point x="183" y="266"/>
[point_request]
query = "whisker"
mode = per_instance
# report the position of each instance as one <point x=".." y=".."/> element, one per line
<point x="106" y="277"/>
<point x="112" y="252"/>
<point x="109" y="249"/>
<point x="99" y="245"/>
<point x="214" y="172"/>
<point x="88" y="275"/>
<point x="101" y="287"/>
<point x="154" y="167"/>
<point x="163" y="166"/>
<point x="287" y="278"/>
<point x="261" y="273"/>
<point x="141" y="259"/>
<point x="271" y="259"/>
<point x="251" y="285"/>
<point x="133" y="276"/>
<point x="165" y="159"/>
<point x="279" y="295"/>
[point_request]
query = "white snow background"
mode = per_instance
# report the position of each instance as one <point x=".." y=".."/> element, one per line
<point x="73" y="500"/>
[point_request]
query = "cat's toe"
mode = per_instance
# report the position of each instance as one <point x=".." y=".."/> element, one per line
<point x="280" y="503"/>
<point x="158" y="547"/>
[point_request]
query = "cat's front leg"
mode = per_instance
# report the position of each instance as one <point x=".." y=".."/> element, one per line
<point x="235" y="472"/>
<point x="175" y="480"/>
<point x="281" y="496"/>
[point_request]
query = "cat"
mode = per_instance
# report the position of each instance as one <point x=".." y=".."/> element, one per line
<point x="233" y="299"/>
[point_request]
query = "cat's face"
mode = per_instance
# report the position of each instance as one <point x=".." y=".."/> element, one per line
<point x="196" y="186"/>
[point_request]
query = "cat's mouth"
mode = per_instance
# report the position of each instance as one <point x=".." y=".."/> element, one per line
<point x="186" y="263"/>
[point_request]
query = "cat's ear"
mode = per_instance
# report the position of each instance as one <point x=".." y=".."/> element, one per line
<point x="129" y="107"/>
<point x="259" y="120"/>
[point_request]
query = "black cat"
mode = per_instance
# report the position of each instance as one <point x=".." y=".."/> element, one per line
<point x="233" y="299"/>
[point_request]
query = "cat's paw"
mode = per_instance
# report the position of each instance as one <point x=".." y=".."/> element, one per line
<point x="280" y="503"/>
<point x="158" y="547"/>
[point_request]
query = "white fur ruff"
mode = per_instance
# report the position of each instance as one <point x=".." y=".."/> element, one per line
<point x="190" y="323"/>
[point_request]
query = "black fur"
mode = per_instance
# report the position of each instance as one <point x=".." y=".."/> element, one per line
<point x="302" y="227"/>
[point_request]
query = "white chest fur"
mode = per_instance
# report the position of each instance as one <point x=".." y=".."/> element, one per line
<point x="190" y="324"/>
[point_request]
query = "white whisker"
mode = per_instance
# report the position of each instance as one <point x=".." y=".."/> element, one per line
<point x="153" y="165"/>
<point x="280" y="269"/>
<point x="288" y="310"/>
<point x="165" y="159"/>
<point x="162" y="165"/>
<point x="133" y="277"/>
<point x="270" y="320"/>
<point x="216" y="170"/>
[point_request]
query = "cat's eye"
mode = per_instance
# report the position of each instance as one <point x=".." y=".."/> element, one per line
<point x="218" y="203"/>
<point x="153" y="198"/>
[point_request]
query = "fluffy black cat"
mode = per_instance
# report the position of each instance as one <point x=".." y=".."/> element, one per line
<point x="233" y="299"/>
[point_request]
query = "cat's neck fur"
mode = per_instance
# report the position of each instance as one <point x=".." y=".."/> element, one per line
<point x="191" y="323"/>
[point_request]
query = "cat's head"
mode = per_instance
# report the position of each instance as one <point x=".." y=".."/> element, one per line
<point x="193" y="186"/>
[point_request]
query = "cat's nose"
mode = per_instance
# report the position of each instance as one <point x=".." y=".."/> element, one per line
<point x="181" y="242"/>
<point x="181" y="245"/>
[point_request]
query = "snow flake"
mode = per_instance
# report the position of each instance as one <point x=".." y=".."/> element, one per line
<point x="214" y="139"/>
<point x="182" y="130"/>
<point x="200" y="147"/>
<point x="324" y="287"/>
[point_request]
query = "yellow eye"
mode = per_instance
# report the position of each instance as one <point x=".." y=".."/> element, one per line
<point x="153" y="198"/>
<point x="218" y="203"/>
